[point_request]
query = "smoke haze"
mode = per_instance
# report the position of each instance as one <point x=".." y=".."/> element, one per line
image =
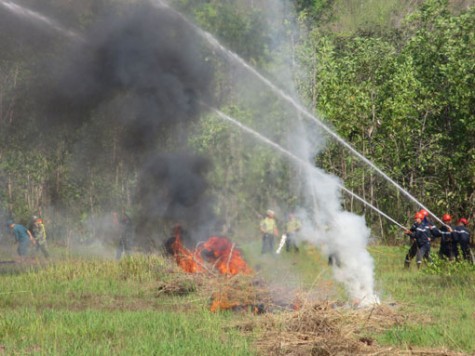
<point x="135" y="76"/>
<point x="142" y="73"/>
<point x="342" y="236"/>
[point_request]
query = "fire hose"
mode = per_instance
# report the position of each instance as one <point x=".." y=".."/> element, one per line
<point x="282" y="243"/>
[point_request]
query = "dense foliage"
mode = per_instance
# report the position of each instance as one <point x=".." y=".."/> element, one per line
<point x="399" y="90"/>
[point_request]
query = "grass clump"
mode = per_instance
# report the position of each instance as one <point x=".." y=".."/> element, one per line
<point x="104" y="307"/>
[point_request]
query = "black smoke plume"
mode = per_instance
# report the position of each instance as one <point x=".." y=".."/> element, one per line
<point x="143" y="71"/>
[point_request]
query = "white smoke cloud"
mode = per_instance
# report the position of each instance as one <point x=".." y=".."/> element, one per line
<point x="340" y="235"/>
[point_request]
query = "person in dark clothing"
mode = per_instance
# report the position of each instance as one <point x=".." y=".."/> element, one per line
<point x="126" y="236"/>
<point x="334" y="260"/>
<point x="22" y="236"/>
<point x="420" y="234"/>
<point x="445" y="234"/>
<point x="461" y="236"/>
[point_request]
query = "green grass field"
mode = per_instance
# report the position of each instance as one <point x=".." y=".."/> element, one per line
<point x="98" y="306"/>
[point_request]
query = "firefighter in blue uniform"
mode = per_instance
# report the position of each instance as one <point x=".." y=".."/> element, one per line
<point x="461" y="236"/>
<point x="445" y="234"/>
<point x="420" y="234"/>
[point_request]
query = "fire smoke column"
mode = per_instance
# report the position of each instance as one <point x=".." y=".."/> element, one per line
<point x="342" y="236"/>
<point x="140" y="73"/>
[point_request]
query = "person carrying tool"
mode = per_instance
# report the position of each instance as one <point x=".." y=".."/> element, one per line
<point x="39" y="234"/>
<point x="268" y="228"/>
<point x="22" y="236"/>
<point x="461" y="236"/>
<point x="445" y="234"/>
<point x="420" y="234"/>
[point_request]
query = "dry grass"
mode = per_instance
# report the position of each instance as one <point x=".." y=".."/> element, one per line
<point x="296" y="324"/>
<point x="330" y="328"/>
<point x="325" y="328"/>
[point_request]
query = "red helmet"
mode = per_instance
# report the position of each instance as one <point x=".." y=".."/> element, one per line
<point x="418" y="215"/>
<point x="424" y="213"/>
<point x="463" y="221"/>
<point x="446" y="217"/>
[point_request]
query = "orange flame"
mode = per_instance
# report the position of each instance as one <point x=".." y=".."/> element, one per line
<point x="220" y="301"/>
<point x="219" y="251"/>
<point x="188" y="261"/>
<point x="230" y="299"/>
<point x="226" y="258"/>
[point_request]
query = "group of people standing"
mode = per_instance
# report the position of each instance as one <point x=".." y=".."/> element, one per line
<point x="452" y="237"/>
<point x="270" y="232"/>
<point x="35" y="234"/>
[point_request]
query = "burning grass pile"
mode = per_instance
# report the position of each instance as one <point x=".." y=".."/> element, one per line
<point x="292" y="323"/>
<point x="240" y="293"/>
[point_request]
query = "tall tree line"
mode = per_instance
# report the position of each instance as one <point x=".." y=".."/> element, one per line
<point x="401" y="95"/>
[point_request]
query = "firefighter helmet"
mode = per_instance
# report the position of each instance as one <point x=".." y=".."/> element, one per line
<point x="418" y="215"/>
<point x="446" y="217"/>
<point x="424" y="213"/>
<point x="463" y="221"/>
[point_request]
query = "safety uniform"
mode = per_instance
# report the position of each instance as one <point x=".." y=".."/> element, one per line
<point x="420" y="235"/>
<point x="292" y="227"/>
<point x="461" y="236"/>
<point x="446" y="249"/>
<point x="268" y="228"/>
<point x="39" y="234"/>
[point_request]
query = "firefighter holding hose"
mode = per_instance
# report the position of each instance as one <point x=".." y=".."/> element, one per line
<point x="461" y="236"/>
<point x="420" y="234"/>
<point x="445" y="234"/>
<point x="268" y="228"/>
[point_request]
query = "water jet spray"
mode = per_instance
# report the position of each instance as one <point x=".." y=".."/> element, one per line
<point x="22" y="11"/>
<point x="33" y="15"/>
<point x="233" y="56"/>
<point x="300" y="161"/>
